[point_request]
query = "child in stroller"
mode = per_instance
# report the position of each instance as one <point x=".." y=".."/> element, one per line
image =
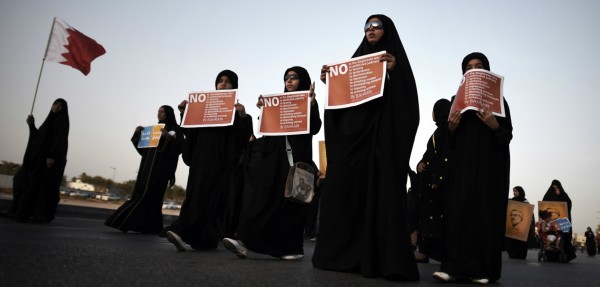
<point x="550" y="238"/>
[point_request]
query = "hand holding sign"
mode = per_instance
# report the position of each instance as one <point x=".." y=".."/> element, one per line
<point x="312" y="94"/>
<point x="390" y="61"/>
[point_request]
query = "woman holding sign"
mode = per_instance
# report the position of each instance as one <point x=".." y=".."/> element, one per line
<point x="143" y="212"/>
<point x="517" y="249"/>
<point x="270" y="223"/>
<point x="213" y="154"/>
<point x="477" y="190"/>
<point x="363" y="224"/>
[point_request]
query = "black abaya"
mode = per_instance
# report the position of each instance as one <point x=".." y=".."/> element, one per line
<point x="35" y="185"/>
<point x="363" y="219"/>
<point x="270" y="223"/>
<point x="143" y="212"/>
<point x="477" y="195"/>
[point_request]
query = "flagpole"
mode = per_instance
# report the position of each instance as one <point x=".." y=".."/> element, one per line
<point x="41" y="68"/>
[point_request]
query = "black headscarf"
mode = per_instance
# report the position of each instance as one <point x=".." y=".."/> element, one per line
<point x="521" y="196"/>
<point x="475" y="55"/>
<point x="231" y="75"/>
<point x="304" y="78"/>
<point x="562" y="196"/>
<point x="53" y="133"/>
<point x="441" y="111"/>
<point x="170" y="121"/>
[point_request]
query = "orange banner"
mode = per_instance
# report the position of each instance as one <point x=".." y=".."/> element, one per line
<point x="285" y="114"/>
<point x="210" y="109"/>
<point x="480" y="89"/>
<point x="557" y="209"/>
<point x="518" y="220"/>
<point x="322" y="158"/>
<point x="356" y="81"/>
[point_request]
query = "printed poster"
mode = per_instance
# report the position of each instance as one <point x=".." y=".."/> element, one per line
<point x="285" y="114"/>
<point x="557" y="209"/>
<point x="480" y="89"/>
<point x="564" y="224"/>
<point x="210" y="109"/>
<point x="150" y="136"/>
<point x="355" y="81"/>
<point x="518" y="220"/>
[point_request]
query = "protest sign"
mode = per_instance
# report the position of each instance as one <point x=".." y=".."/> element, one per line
<point x="355" y="81"/>
<point x="557" y="209"/>
<point x="150" y="136"/>
<point x="285" y="114"/>
<point x="210" y="109"/>
<point x="480" y="89"/>
<point x="518" y="220"/>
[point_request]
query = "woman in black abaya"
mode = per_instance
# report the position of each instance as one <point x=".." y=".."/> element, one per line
<point x="143" y="212"/>
<point x="517" y="249"/>
<point x="432" y="169"/>
<point x="211" y="153"/>
<point x="363" y="221"/>
<point x="556" y="192"/>
<point x="270" y="223"/>
<point x="477" y="191"/>
<point x="36" y="183"/>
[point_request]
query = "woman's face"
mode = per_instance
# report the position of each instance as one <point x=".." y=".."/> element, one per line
<point x="474" y="64"/>
<point x="161" y="114"/>
<point x="516" y="192"/>
<point x="57" y="107"/>
<point x="224" y="83"/>
<point x="292" y="81"/>
<point x="556" y="189"/>
<point x="374" y="30"/>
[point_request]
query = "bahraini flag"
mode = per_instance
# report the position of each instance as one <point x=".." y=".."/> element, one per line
<point x="71" y="47"/>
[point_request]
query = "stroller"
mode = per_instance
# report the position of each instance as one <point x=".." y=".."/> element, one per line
<point x="552" y="246"/>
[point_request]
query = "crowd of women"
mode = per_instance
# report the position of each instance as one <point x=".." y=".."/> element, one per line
<point x="235" y="186"/>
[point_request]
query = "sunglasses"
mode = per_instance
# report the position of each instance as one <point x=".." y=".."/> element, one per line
<point x="377" y="25"/>
<point x="291" y="76"/>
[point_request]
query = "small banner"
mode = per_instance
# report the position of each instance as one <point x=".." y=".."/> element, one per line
<point x="480" y="89"/>
<point x="210" y="109"/>
<point x="285" y="114"/>
<point x="518" y="220"/>
<point x="356" y="81"/>
<point x="150" y="136"/>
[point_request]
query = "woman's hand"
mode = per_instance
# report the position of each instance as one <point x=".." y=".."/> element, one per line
<point x="454" y="120"/>
<point x="488" y="118"/>
<point x="139" y="129"/>
<point x="421" y="167"/>
<point x="240" y="109"/>
<point x="30" y="120"/>
<point x="312" y="94"/>
<point x="260" y="102"/>
<point x="181" y="106"/>
<point x="390" y="59"/>
<point x="324" y="70"/>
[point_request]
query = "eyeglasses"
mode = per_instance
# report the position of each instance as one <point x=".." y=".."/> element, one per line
<point x="377" y="25"/>
<point x="291" y="76"/>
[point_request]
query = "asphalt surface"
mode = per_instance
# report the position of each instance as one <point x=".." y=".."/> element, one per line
<point x="76" y="249"/>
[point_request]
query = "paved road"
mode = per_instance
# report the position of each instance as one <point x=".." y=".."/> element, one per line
<point x="76" y="249"/>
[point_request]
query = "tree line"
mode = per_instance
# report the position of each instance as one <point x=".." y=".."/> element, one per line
<point x="176" y="193"/>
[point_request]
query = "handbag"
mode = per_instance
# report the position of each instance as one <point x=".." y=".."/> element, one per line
<point x="299" y="186"/>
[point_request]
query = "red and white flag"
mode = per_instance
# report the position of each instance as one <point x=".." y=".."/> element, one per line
<point x="71" y="47"/>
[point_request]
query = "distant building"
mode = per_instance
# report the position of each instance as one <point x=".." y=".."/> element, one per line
<point x="78" y="184"/>
<point x="6" y="181"/>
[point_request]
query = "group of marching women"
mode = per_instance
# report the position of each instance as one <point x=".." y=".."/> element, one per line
<point x="236" y="181"/>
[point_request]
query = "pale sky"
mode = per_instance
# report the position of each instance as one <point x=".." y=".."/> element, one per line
<point x="158" y="51"/>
